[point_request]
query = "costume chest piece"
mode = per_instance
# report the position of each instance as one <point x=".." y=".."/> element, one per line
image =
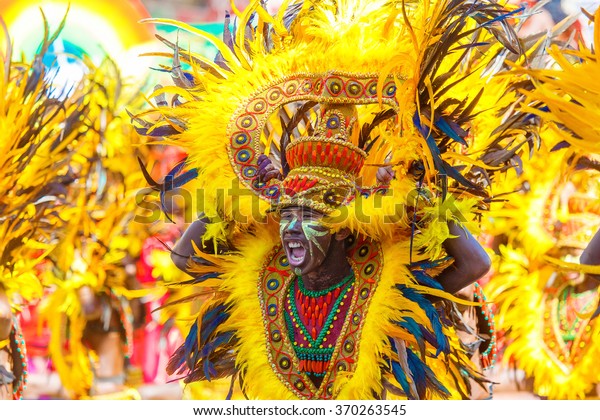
<point x="305" y="358"/>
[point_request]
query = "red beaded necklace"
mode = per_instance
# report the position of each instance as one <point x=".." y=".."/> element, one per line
<point x="312" y="316"/>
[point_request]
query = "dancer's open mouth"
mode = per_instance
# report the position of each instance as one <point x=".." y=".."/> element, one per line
<point x="296" y="252"/>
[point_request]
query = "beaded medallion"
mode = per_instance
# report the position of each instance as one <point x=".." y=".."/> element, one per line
<point x="566" y="335"/>
<point x="287" y="359"/>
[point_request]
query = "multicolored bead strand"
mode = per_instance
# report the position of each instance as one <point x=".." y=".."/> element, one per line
<point x="21" y="349"/>
<point x="319" y="293"/>
<point x="488" y="357"/>
<point x="126" y="318"/>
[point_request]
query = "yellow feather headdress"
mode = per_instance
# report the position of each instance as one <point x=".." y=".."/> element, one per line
<point x="404" y="65"/>
<point x="37" y="134"/>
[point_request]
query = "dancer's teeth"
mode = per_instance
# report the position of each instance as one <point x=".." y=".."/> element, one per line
<point x="297" y="252"/>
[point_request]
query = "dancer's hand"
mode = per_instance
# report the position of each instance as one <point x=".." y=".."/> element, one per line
<point x="385" y="175"/>
<point x="266" y="170"/>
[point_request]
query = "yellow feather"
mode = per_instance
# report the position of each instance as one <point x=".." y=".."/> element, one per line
<point x="231" y="59"/>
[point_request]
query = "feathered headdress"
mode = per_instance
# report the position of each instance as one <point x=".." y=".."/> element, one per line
<point x="403" y="65"/>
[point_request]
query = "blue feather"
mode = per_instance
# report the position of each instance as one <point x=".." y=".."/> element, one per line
<point x="160" y="131"/>
<point x="192" y="337"/>
<point x="425" y="279"/>
<point x="504" y="16"/>
<point x="175" y="170"/>
<point x="160" y="70"/>
<point x="195" y="351"/>
<point x="443" y="167"/>
<point x="190" y="346"/>
<point x="443" y="125"/>
<point x="453" y="173"/>
<point x="434" y="317"/>
<point x="445" y="320"/>
<point x="416" y="331"/>
<point x="201" y="261"/>
<point x="417" y="370"/>
<point x="204" y="277"/>
<point x="186" y="177"/>
<point x="208" y="349"/>
<point x="172" y="182"/>
<point x="209" y="369"/>
<point x="400" y="375"/>
<point x="424" y="376"/>
<point x="211" y="320"/>
<point x="561" y="145"/>
<point x="417" y="122"/>
<point x="219" y="340"/>
<point x="426" y="133"/>
<point x="426" y="264"/>
<point x="428" y="336"/>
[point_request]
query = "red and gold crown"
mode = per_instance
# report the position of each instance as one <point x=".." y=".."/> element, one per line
<point x="324" y="167"/>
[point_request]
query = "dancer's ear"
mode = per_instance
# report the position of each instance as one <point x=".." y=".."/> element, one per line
<point x="342" y="234"/>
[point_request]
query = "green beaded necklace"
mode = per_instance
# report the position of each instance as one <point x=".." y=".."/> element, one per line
<point x="330" y="317"/>
<point x="319" y="293"/>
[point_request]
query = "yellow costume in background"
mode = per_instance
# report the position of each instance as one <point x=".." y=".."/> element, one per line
<point x="101" y="240"/>
<point x="547" y="224"/>
<point x="38" y="131"/>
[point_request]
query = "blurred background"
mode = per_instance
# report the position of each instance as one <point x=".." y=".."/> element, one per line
<point x="101" y="28"/>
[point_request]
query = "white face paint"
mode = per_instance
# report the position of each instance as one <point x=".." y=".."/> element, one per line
<point x="305" y="240"/>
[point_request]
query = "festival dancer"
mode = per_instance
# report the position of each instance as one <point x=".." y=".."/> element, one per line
<point x="92" y="309"/>
<point x="38" y="133"/>
<point x="538" y="286"/>
<point x="319" y="270"/>
<point x="546" y="299"/>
